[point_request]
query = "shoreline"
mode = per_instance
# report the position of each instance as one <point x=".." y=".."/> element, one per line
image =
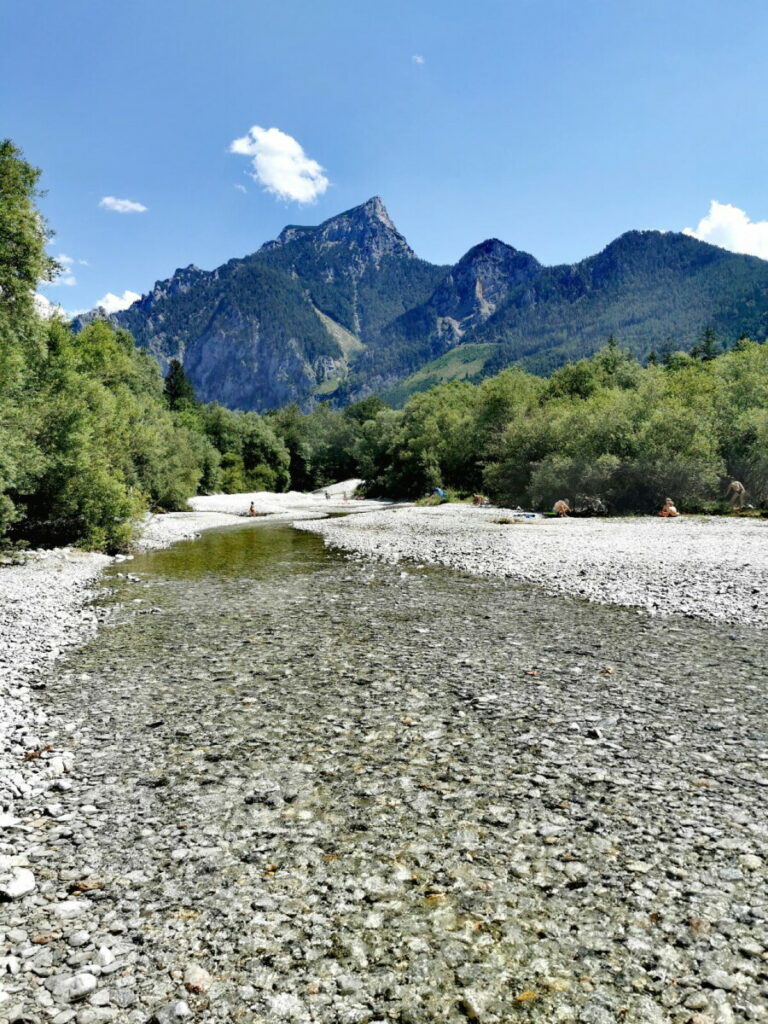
<point x="45" y="610"/>
<point x="708" y="567"/>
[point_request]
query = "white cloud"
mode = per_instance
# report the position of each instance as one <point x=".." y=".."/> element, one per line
<point x="731" y="228"/>
<point x="66" y="277"/>
<point x="418" y="59"/>
<point x="122" y="205"/>
<point x="241" y="188"/>
<point x="281" y="165"/>
<point x="111" y="303"/>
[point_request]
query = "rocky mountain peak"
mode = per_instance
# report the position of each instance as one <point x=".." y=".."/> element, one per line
<point x="481" y="281"/>
<point x="367" y="231"/>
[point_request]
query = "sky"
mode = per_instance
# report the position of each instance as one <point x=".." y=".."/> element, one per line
<point x="173" y="132"/>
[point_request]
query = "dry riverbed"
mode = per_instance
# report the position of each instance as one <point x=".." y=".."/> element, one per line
<point x="278" y="785"/>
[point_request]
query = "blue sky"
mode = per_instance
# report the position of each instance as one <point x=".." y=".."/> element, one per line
<point x="553" y="124"/>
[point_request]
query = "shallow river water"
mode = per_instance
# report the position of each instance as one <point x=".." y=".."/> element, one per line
<point x="355" y="792"/>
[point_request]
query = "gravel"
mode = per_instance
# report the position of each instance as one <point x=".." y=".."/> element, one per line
<point x="712" y="567"/>
<point x="443" y="798"/>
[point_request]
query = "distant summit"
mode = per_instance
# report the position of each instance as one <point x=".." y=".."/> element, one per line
<point x="365" y="230"/>
<point x="345" y="309"/>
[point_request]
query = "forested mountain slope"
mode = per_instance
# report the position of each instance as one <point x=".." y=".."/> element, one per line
<point x="650" y="289"/>
<point x="346" y="309"/>
<point x="282" y="324"/>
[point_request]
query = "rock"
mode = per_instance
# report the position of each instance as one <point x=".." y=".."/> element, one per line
<point x="105" y="956"/>
<point x="171" y="1012"/>
<point x="65" y="1017"/>
<point x="473" y="1004"/>
<point x="723" y="980"/>
<point x="68" y="909"/>
<point x="196" y="979"/>
<point x="751" y="862"/>
<point x="20" y="883"/>
<point x="71" y="987"/>
<point x="697" y="1001"/>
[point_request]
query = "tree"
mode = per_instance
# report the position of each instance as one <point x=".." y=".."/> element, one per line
<point x="23" y="235"/>
<point x="178" y="390"/>
<point x="23" y="263"/>
<point x="708" y="347"/>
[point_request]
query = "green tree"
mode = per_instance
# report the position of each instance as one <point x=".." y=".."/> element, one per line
<point x="178" y="389"/>
<point x="23" y="234"/>
<point x="23" y="264"/>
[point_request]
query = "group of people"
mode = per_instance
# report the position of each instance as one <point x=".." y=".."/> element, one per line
<point x="736" y="494"/>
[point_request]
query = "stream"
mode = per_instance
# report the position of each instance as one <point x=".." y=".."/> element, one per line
<point x="308" y="788"/>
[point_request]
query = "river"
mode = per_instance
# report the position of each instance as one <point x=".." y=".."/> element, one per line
<point x="353" y="792"/>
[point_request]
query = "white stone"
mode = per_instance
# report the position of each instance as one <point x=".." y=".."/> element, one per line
<point x="69" y="909"/>
<point x="80" y="986"/>
<point x="196" y="979"/>
<point x="751" y="862"/>
<point x="21" y="882"/>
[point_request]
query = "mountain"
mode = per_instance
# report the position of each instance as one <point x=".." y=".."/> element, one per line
<point x="346" y="309"/>
<point x="284" y="323"/>
<point x="467" y="296"/>
<point x="650" y="289"/>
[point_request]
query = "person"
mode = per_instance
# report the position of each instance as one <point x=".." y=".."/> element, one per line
<point x="561" y="508"/>
<point x="668" y="510"/>
<point x="736" y="493"/>
<point x="252" y="509"/>
<point x="327" y="496"/>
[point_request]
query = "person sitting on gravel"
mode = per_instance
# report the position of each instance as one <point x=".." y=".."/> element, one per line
<point x="668" y="510"/>
<point x="736" y="494"/>
<point x="561" y="508"/>
<point x="252" y="509"/>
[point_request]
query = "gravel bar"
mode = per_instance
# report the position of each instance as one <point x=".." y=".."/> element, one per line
<point x="443" y="798"/>
<point x="299" y="789"/>
<point x="712" y="567"/>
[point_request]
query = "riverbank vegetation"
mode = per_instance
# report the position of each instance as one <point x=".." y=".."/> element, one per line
<point x="91" y="436"/>
<point x="603" y="426"/>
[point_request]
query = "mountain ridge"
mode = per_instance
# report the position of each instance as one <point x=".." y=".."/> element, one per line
<point x="345" y="309"/>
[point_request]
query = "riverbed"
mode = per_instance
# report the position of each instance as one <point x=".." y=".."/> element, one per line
<point x="307" y="789"/>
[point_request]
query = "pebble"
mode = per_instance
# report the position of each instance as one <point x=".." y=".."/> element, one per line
<point x="19" y="883"/>
<point x="196" y="979"/>
<point x="171" y="1012"/>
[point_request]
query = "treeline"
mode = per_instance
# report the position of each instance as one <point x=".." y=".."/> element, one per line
<point x="603" y="426"/>
<point x="91" y="436"/>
